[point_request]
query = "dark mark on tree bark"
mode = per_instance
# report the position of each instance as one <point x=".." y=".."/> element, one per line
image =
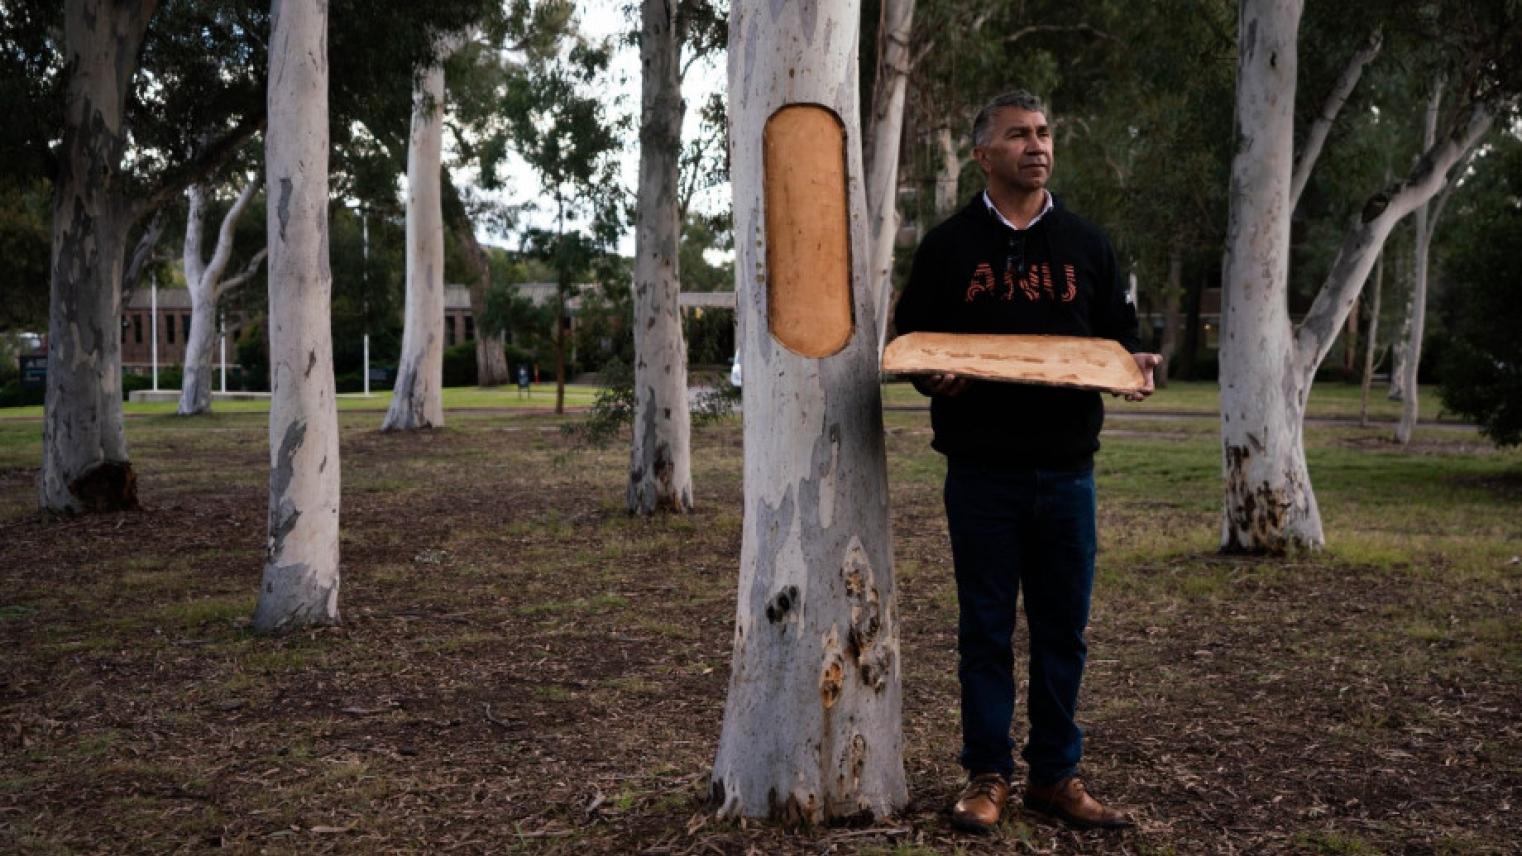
<point x="781" y="604"/>
<point x="284" y="208"/>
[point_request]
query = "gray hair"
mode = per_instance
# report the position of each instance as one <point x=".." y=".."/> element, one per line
<point x="1018" y="98"/>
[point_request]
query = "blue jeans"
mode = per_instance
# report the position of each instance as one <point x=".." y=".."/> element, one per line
<point x="1014" y="529"/>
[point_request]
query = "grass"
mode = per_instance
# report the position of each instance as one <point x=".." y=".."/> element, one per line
<point x="541" y="396"/>
<point x="1329" y="399"/>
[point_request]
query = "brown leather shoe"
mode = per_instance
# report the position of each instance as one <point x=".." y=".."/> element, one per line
<point x="1070" y="802"/>
<point x="980" y="804"/>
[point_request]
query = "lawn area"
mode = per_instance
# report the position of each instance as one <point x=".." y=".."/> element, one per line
<point x="523" y="668"/>
<point x="463" y="397"/>
<point x="1328" y="400"/>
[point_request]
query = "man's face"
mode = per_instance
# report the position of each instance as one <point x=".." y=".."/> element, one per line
<point x="1018" y="153"/>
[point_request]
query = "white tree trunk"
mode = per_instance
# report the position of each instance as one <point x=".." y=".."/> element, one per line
<point x="812" y="718"/>
<point x="206" y="286"/>
<point x="1420" y="258"/>
<point x="884" y="136"/>
<point x="300" y="580"/>
<point x="418" y="398"/>
<point x="1269" y="503"/>
<point x="1371" y="341"/>
<point x="660" y="460"/>
<point x="1395" y="389"/>
<point x="948" y="173"/>
<point x="84" y="449"/>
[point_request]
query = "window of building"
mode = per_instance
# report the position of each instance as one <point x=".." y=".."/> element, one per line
<point x="449" y="330"/>
<point x="185" y="327"/>
<point x="470" y="327"/>
<point x="137" y="329"/>
<point x="169" y="328"/>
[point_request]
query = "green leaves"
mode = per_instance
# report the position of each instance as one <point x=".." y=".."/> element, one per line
<point x="1481" y="366"/>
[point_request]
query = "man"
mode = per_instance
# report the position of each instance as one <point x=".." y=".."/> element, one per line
<point x="1019" y="480"/>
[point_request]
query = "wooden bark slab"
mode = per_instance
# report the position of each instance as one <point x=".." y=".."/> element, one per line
<point x="1075" y="361"/>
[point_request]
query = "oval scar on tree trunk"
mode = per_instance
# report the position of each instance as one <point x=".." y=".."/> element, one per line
<point x="808" y="246"/>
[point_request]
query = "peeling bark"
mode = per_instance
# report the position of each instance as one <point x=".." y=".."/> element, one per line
<point x="418" y="398"/>
<point x="300" y="580"/>
<point x="84" y="449"/>
<point x="812" y="728"/>
<point x="660" y="459"/>
<point x="206" y="285"/>
<point x="884" y="136"/>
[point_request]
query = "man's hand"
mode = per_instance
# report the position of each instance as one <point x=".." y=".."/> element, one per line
<point x="1145" y="362"/>
<point x="946" y="384"/>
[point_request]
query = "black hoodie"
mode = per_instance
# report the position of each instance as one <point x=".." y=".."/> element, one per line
<point x="974" y="274"/>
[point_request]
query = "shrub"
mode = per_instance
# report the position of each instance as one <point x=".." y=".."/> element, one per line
<point x="460" y="365"/>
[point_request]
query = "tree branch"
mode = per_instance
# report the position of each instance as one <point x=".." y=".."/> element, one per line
<point x="1033" y="29"/>
<point x="1441" y="201"/>
<point x="1361" y="246"/>
<point x="142" y="255"/>
<point x="224" y="249"/>
<point x="214" y="154"/>
<point x="247" y="273"/>
<point x="1315" y="139"/>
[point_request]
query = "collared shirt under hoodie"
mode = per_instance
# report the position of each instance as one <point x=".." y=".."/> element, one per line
<point x="975" y="273"/>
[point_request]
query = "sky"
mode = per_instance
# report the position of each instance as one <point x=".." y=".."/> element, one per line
<point x="599" y="19"/>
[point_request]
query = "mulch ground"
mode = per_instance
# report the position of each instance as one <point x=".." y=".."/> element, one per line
<point x="523" y="668"/>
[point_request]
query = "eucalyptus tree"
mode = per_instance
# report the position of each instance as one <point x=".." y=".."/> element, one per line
<point x="143" y="97"/>
<point x="122" y="153"/>
<point x="812" y="727"/>
<point x="660" y="456"/>
<point x="559" y="122"/>
<point x="417" y="400"/>
<point x="1267" y="364"/>
<point x="300" y="579"/>
<point x="1426" y="218"/>
<point x="205" y="279"/>
<point x="507" y="41"/>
